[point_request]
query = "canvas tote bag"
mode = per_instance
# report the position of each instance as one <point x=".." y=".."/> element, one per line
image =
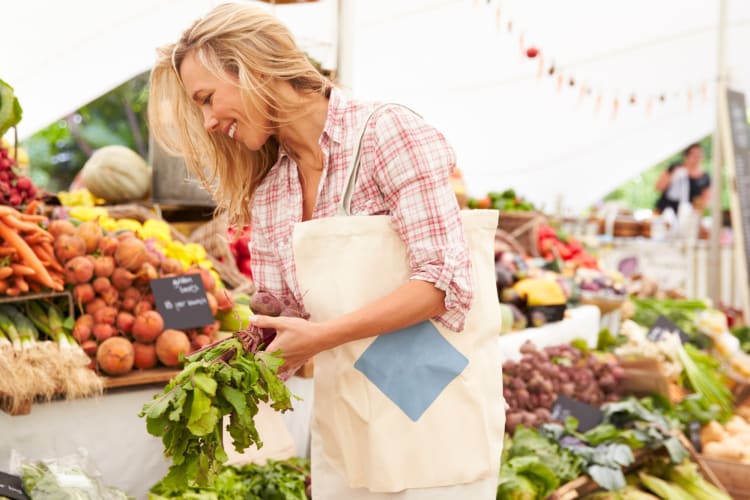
<point x="421" y="407"/>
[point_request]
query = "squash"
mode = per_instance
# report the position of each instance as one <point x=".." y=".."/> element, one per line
<point x="117" y="173"/>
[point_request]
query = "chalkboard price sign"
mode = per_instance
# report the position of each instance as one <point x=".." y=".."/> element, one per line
<point x="11" y="487"/>
<point x="588" y="416"/>
<point x="182" y="301"/>
<point x="663" y="325"/>
<point x="741" y="145"/>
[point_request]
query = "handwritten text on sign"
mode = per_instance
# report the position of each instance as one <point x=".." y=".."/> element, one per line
<point x="182" y="301"/>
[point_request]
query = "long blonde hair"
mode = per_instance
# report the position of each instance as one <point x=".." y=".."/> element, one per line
<point x="246" y="42"/>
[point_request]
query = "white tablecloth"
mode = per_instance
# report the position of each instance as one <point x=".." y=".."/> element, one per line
<point x="581" y="322"/>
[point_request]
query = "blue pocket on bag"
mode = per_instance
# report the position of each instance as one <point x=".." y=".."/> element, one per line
<point x="412" y="366"/>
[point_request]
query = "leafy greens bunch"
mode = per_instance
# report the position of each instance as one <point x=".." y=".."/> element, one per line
<point x="229" y="377"/>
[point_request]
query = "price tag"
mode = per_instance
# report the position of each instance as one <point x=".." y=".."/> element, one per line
<point x="695" y="435"/>
<point x="588" y="416"/>
<point x="663" y="325"/>
<point x="12" y="487"/>
<point x="182" y="301"/>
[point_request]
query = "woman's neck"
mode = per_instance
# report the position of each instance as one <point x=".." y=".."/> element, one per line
<point x="301" y="137"/>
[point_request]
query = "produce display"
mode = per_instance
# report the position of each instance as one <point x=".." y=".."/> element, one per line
<point x="531" y="385"/>
<point x="27" y="259"/>
<point x="109" y="272"/>
<point x="555" y="245"/>
<point x="631" y="452"/>
<point x="505" y="201"/>
<point x="38" y="357"/>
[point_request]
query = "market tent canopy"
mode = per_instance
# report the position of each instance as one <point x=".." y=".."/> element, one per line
<point x="460" y="63"/>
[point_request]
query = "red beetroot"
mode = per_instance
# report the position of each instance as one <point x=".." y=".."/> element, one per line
<point x="95" y="305"/>
<point x="89" y="347"/>
<point x="170" y="344"/>
<point x="78" y="270"/>
<point x="141" y="307"/>
<point x="122" y="278"/>
<point x="104" y="266"/>
<point x="83" y="294"/>
<point x="103" y="331"/>
<point x="81" y="333"/>
<point x="147" y="327"/>
<point x="125" y="322"/>
<point x="68" y="246"/>
<point x="128" y="304"/>
<point x="200" y="341"/>
<point x="106" y="315"/>
<point x="110" y="297"/>
<point x="101" y="284"/>
<point x="145" y="355"/>
<point x="131" y="254"/>
<point x="224" y="300"/>
<point x="108" y="245"/>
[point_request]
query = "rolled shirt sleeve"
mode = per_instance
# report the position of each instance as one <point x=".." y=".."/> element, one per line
<point x="416" y="162"/>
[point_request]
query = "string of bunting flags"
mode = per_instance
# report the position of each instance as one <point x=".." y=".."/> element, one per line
<point x="603" y="97"/>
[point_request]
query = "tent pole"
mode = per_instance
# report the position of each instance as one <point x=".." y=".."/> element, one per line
<point x="714" y="252"/>
<point x="345" y="20"/>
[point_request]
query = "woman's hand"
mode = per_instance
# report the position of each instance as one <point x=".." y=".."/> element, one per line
<point x="298" y="339"/>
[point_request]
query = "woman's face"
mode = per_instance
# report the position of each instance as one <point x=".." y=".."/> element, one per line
<point x="221" y="103"/>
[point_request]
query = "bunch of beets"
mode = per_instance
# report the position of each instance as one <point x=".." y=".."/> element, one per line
<point x="15" y="190"/>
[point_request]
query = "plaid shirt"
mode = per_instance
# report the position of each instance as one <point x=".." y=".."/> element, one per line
<point x="404" y="172"/>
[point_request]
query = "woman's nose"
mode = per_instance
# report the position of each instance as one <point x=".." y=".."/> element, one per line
<point x="210" y="123"/>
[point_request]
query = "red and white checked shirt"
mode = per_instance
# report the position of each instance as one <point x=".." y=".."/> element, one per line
<point x="405" y="166"/>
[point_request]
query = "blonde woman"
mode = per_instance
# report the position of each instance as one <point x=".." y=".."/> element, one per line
<point x="273" y="141"/>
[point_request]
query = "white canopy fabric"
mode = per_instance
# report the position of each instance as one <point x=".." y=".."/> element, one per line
<point x="460" y="63"/>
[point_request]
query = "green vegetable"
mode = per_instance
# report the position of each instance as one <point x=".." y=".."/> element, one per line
<point x="276" y="480"/>
<point x="665" y="490"/>
<point x="230" y="377"/>
<point x="527" y="442"/>
<point x="687" y="477"/>
<point x="60" y="481"/>
<point x="702" y="371"/>
<point x="683" y="313"/>
<point x="10" y="109"/>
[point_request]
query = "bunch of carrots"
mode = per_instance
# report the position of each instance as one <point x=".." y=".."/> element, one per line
<point x="27" y="256"/>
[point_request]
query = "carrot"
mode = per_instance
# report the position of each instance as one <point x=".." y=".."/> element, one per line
<point x="33" y="218"/>
<point x="12" y="292"/>
<point x="3" y="286"/>
<point x="5" y="251"/>
<point x="34" y="286"/>
<point x="31" y="207"/>
<point x="28" y="256"/>
<point x="38" y="237"/>
<point x="8" y="210"/>
<point x="48" y="258"/>
<point x="21" y="284"/>
<point x="17" y="223"/>
<point x="21" y="270"/>
<point x="5" y="272"/>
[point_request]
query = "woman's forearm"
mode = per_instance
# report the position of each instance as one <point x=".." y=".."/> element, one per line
<point x="409" y="304"/>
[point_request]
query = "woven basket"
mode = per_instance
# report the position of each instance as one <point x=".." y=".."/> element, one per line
<point x="213" y="236"/>
<point x="524" y="227"/>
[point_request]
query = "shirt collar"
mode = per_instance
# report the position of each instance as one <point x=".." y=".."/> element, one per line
<point x="334" y="125"/>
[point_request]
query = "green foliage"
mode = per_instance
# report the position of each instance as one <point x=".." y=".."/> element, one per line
<point x="58" y="152"/>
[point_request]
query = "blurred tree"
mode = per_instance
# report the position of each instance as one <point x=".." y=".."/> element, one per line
<point x="58" y="152"/>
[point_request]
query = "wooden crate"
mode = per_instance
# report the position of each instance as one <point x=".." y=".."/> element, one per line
<point x="735" y="476"/>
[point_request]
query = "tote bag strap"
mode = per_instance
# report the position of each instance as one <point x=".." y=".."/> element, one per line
<point x="350" y="182"/>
